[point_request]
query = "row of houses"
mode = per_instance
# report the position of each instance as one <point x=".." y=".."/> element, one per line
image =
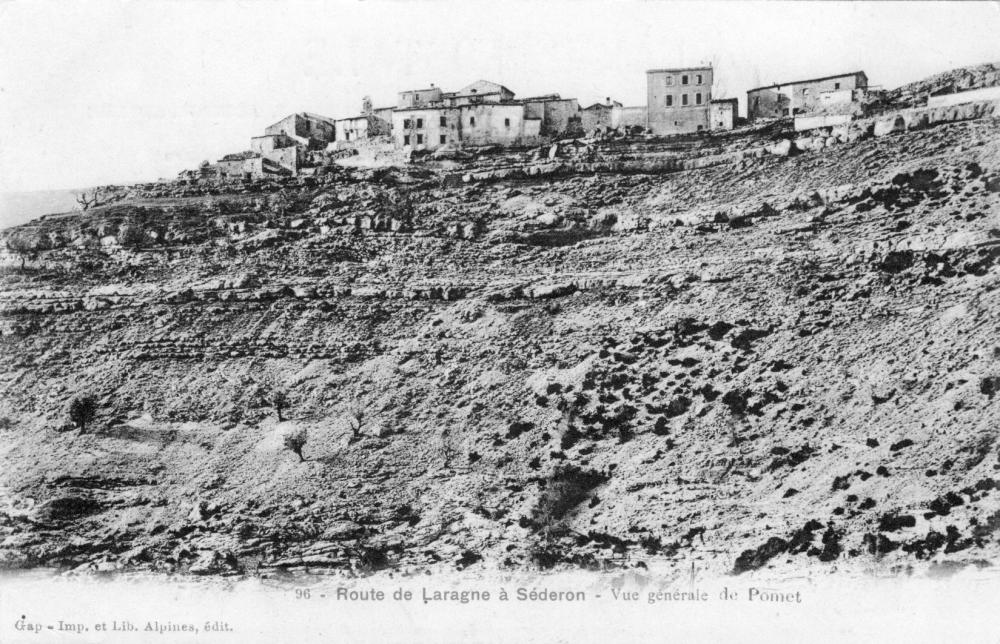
<point x="679" y="100"/>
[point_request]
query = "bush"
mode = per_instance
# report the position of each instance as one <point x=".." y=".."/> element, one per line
<point x="295" y="441"/>
<point x="566" y="488"/>
<point x="356" y="418"/>
<point x="279" y="400"/>
<point x="82" y="410"/>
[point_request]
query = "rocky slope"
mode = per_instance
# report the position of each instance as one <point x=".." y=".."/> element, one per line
<point x="713" y="351"/>
<point x="949" y="82"/>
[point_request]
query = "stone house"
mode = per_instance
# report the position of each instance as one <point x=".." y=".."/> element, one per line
<point x="419" y="98"/>
<point x="309" y="131"/>
<point x="678" y="99"/>
<point x="483" y="124"/>
<point x="601" y="116"/>
<point x="804" y="96"/>
<point x="361" y="127"/>
<point x="722" y="113"/>
<point x="479" y="114"/>
<point x="559" y="116"/>
<point x="270" y="142"/>
<point x="249" y="165"/>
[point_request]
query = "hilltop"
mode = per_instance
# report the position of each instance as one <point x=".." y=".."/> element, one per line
<point x="735" y="350"/>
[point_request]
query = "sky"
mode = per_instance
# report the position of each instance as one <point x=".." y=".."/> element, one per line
<point x="96" y="92"/>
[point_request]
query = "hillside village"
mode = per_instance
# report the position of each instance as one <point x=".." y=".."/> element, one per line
<point x="484" y="114"/>
<point x="648" y="338"/>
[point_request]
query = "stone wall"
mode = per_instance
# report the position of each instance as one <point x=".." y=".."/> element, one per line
<point x="946" y="100"/>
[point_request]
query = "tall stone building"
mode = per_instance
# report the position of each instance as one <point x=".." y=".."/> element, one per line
<point x="677" y="99"/>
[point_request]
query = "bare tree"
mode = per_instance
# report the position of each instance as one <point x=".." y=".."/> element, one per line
<point x="97" y="197"/>
<point x="356" y="418"/>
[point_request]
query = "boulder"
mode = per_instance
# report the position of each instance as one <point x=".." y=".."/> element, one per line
<point x="890" y="125"/>
<point x="782" y="148"/>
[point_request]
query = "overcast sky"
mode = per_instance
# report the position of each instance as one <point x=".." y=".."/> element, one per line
<point x="101" y="92"/>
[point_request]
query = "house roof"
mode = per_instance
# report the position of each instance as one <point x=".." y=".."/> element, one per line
<point x="357" y="118"/>
<point x="456" y="95"/>
<point x="489" y="82"/>
<point x="426" y="108"/>
<point x="543" y="97"/>
<point x="808" y="80"/>
<point x="680" y="69"/>
<point x="240" y="156"/>
<point x="317" y="117"/>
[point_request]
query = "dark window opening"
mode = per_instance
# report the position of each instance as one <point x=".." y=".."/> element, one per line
<point x="420" y="123"/>
<point x="836" y="86"/>
<point x="697" y="98"/>
<point x="684" y="99"/>
<point x="506" y="122"/>
<point x="684" y="79"/>
<point x="443" y="121"/>
<point x="698" y="81"/>
<point x="406" y="139"/>
<point x="420" y="139"/>
<point x="670" y="100"/>
<point x="443" y="139"/>
<point x="406" y="123"/>
<point x="472" y="120"/>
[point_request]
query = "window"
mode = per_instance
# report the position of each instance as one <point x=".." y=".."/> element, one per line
<point x="406" y="140"/>
<point x="420" y="139"/>
<point x="684" y="99"/>
<point x="701" y="127"/>
<point x="684" y="79"/>
<point x="697" y="98"/>
<point x="670" y="81"/>
<point x="836" y="86"/>
<point x="443" y="122"/>
<point x="406" y="123"/>
<point x="444" y="139"/>
<point x="697" y="79"/>
<point x="506" y="122"/>
<point x="670" y="100"/>
<point x="472" y="120"/>
<point x="420" y="123"/>
<point x="805" y="92"/>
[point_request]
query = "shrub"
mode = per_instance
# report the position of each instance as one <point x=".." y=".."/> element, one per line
<point x="295" y="441"/>
<point x="82" y="410"/>
<point x="567" y="487"/>
<point x="279" y="400"/>
<point x="356" y="417"/>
